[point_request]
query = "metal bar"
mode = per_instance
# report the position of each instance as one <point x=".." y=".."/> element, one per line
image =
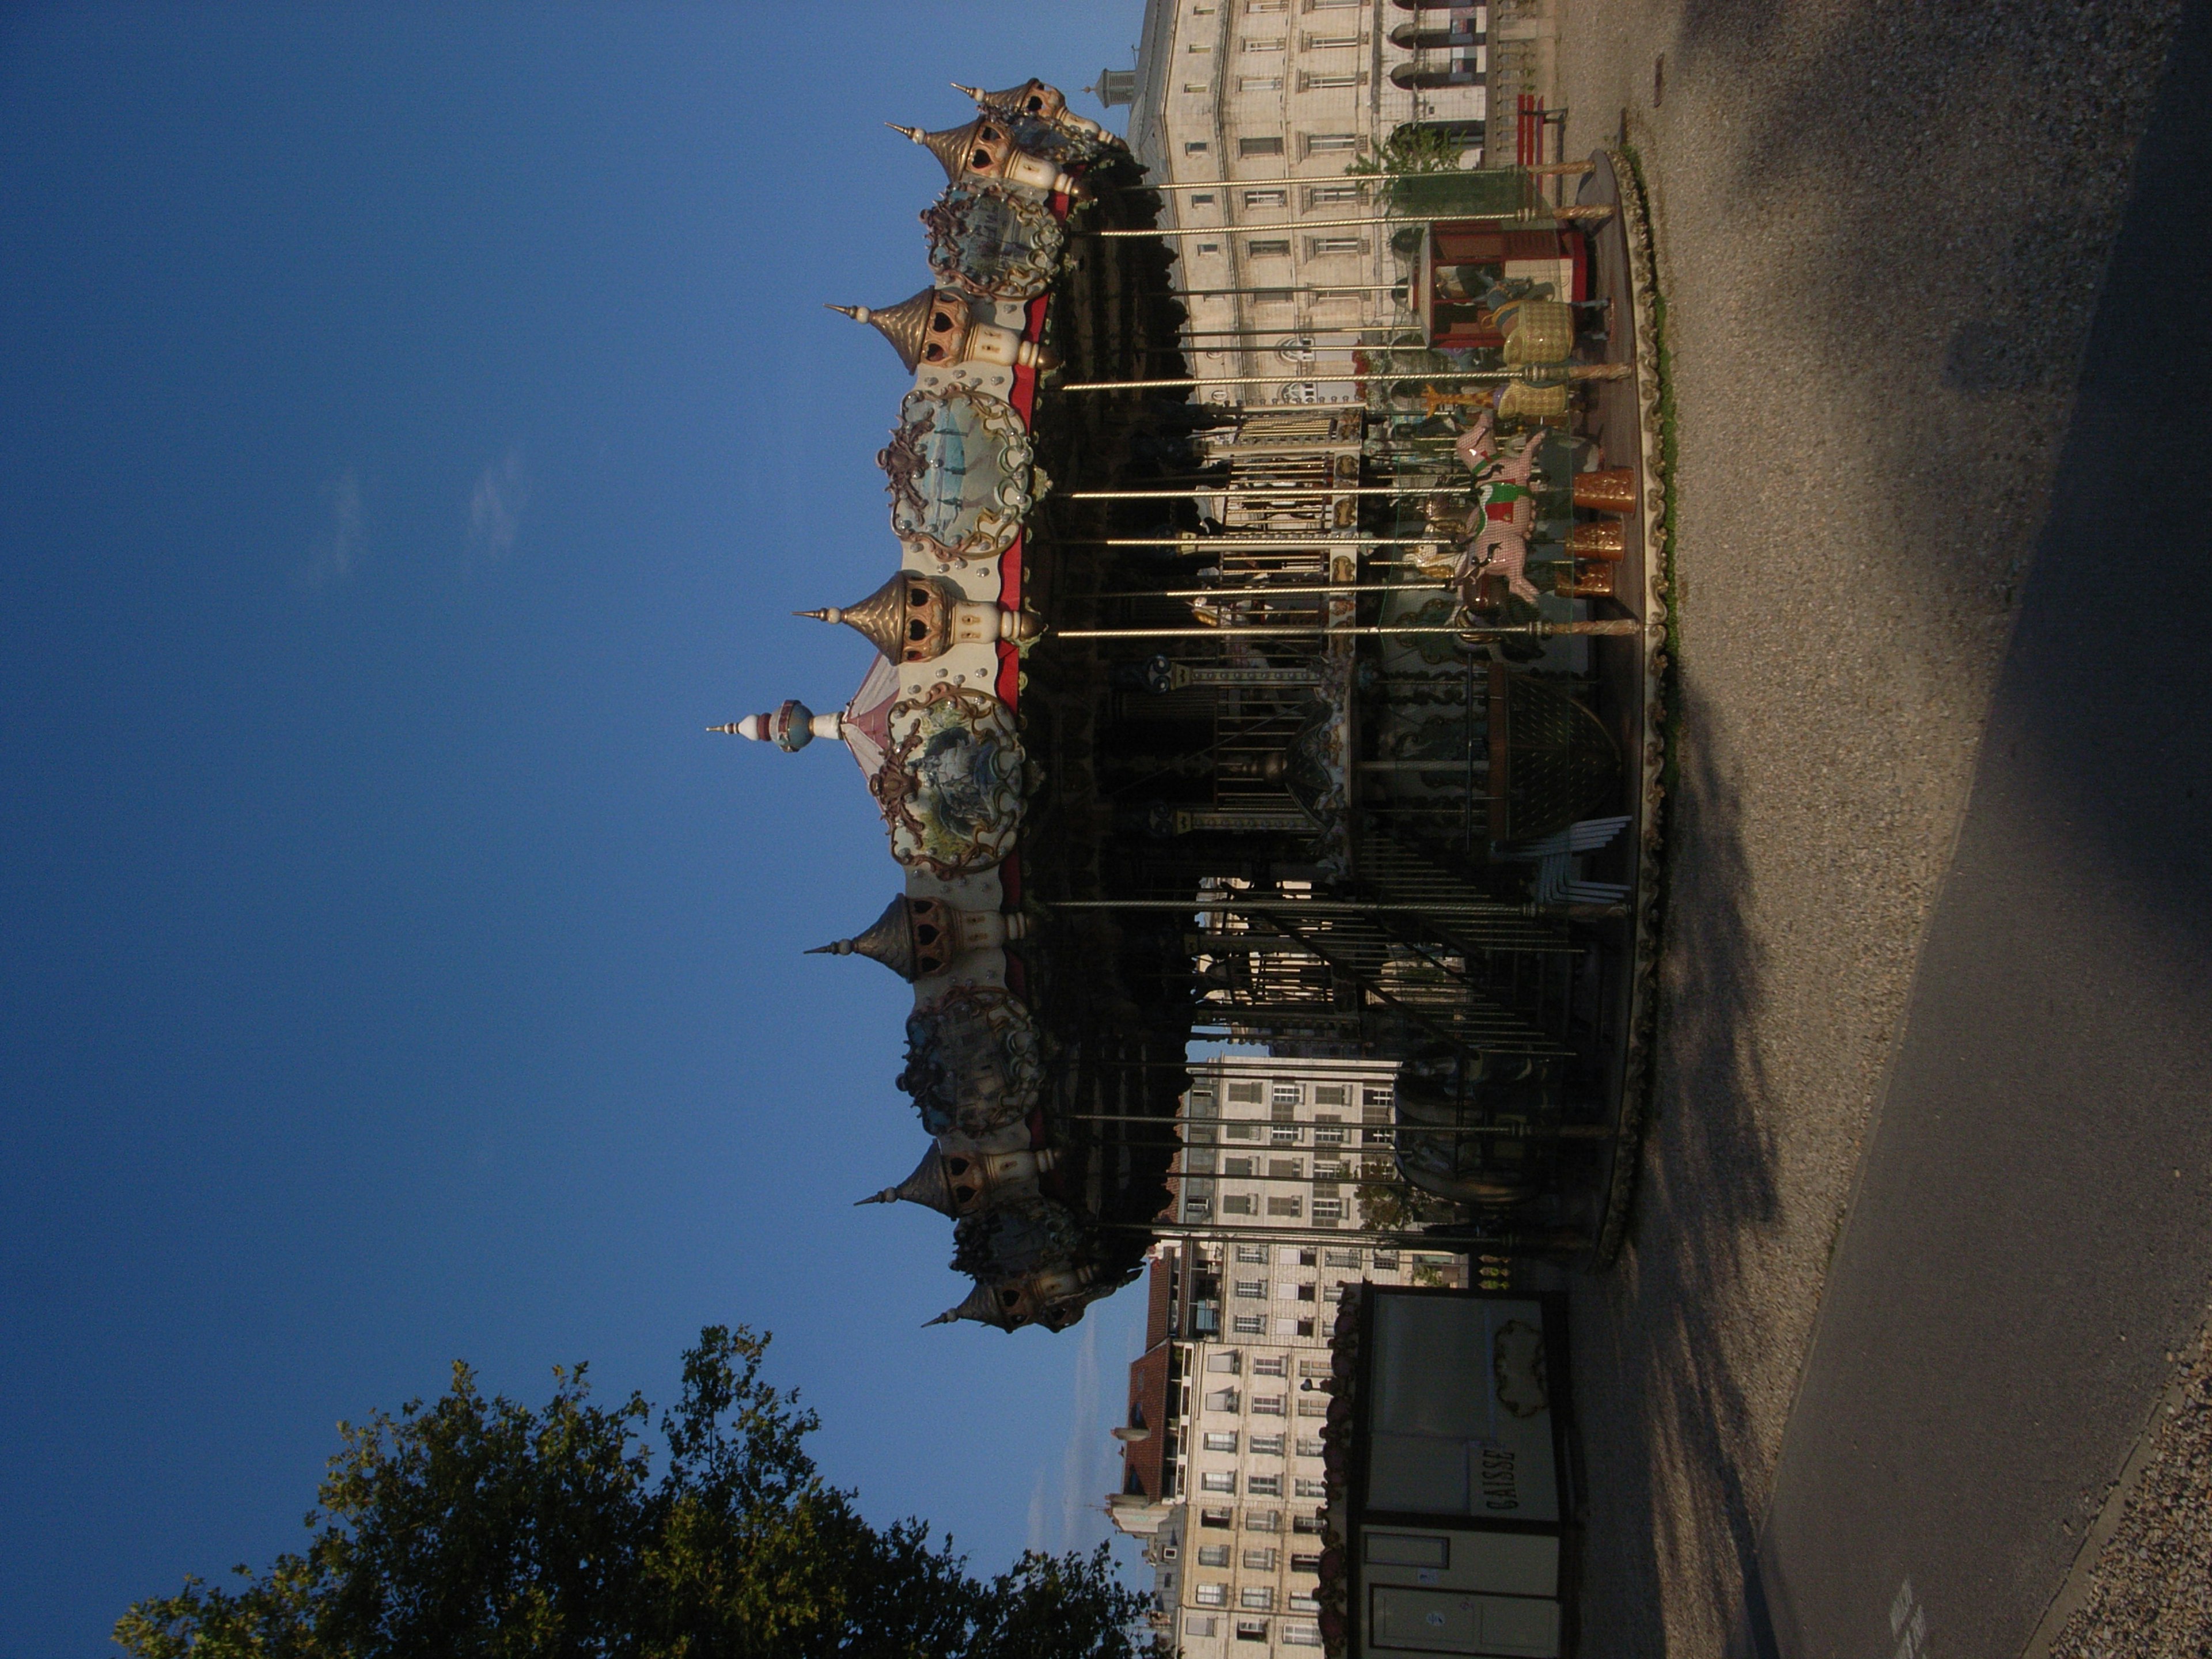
<point x="1538" y="630"/>
<point x="1599" y="211"/>
<point x="1263" y="589"/>
<point x="1366" y="178"/>
<point x="1260" y="492"/>
<point x="1304" y="907"/>
<point x="1575" y="372"/>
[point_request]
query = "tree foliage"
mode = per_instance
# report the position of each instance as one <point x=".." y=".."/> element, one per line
<point x="475" y="1526"/>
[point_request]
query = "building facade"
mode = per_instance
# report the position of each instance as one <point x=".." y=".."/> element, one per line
<point x="1273" y="101"/>
<point x="1221" y="1446"/>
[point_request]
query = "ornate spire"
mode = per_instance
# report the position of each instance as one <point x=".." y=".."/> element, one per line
<point x="889" y="940"/>
<point x="791" y="727"/>
<point x="905" y="325"/>
<point x="925" y="1186"/>
<point x="949" y="147"/>
<point x="978" y="1305"/>
<point x="880" y="618"/>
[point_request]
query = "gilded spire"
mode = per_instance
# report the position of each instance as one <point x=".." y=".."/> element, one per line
<point x="949" y="147"/>
<point x="904" y="325"/>
<point x="880" y="618"/>
<point x="888" y="940"/>
<point x="977" y="1305"/>
<point x="926" y="1186"/>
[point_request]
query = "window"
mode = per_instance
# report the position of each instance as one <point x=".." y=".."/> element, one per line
<point x="1261" y="1560"/>
<point x="1332" y="1094"/>
<point x="1270" y="144"/>
<point x="1199" y="47"/>
<point x="1316" y="1367"/>
<point x="1206" y="1320"/>
<point x="1387" y="1259"/>
<point x="1201" y="1102"/>
<point x="1284" y="1169"/>
<point x="1262" y="1486"/>
<point x="1266" y="5"/>
<point x="1258" y="45"/>
<point x="1330" y="42"/>
<point x="1269" y="248"/>
<point x="1306" y="1292"/>
<point x="1264" y="1445"/>
<point x="1283" y="1134"/>
<point x="1212" y="247"/>
<point x="1237" y="1166"/>
<point x="1285" y="1094"/>
<point x="1310" y="1489"/>
<point x="1384" y="1097"/>
<point x="1332" y="1170"/>
<point x="1310" y="1447"/>
<point x="1217" y="1555"/>
<point x="1298" y="1563"/>
<point x="1251" y="1288"/>
<point x="1210" y="1595"/>
<point x="1198" y="85"/>
<point x="1266" y="198"/>
<point x="1305" y="1258"/>
<point x="1309" y="1524"/>
<point x="1239" y="1131"/>
<point x="1257" y="1597"/>
<point x="1288" y="1206"/>
<point x="1225" y="1480"/>
<point x="1298" y="1636"/>
<point x="1320" y="144"/>
<point x="1310" y="82"/>
<point x="1328" y="1131"/>
<point x="1216" y="1441"/>
<point x="1267" y="1405"/>
<point x="1202" y="1625"/>
<point x="1320" y="246"/>
<point x="1261" y="83"/>
<point x="1250" y="1324"/>
<point x="1310" y="1407"/>
<point x="1195" y="146"/>
<point x="1217" y="1518"/>
<point x="1305" y="1328"/>
<point x="1228" y="1360"/>
<point x="1195" y="1208"/>
<point x="1221" y="1399"/>
<point x="1251" y="1630"/>
<point x="1298" y="1603"/>
<point x="1252" y="1253"/>
<point x="1247" y="1094"/>
<point x="1263" y="1521"/>
<point x="1236" y="1204"/>
<point x="1268" y="1364"/>
<point x="1327" y="1211"/>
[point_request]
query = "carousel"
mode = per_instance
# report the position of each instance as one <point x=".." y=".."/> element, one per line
<point x="1331" y="726"/>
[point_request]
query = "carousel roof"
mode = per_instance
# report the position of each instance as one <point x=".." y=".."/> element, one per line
<point x="950" y="146"/>
<point x="889" y="940"/>
<point x="927" y="1186"/>
<point x="880" y="618"/>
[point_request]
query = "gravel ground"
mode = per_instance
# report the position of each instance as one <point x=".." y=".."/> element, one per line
<point x="2149" y="1593"/>
<point x="1880" y="229"/>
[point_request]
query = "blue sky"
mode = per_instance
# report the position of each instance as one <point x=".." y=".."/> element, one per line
<point x="420" y="424"/>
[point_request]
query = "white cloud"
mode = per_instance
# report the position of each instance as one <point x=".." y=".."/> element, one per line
<point x="333" y="554"/>
<point x="495" y="505"/>
<point x="1065" y="1505"/>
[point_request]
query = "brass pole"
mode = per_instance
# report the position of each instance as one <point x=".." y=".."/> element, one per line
<point x="1241" y="593"/>
<point x="1551" y="170"/>
<point x="1623" y="627"/>
<point x="1575" y="372"/>
<point x="1254" y="492"/>
<point x="1598" y="212"/>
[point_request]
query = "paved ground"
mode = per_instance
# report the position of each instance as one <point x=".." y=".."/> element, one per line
<point x="1881" y="229"/>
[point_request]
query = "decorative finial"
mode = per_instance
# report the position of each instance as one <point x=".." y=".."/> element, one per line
<point x="976" y="93"/>
<point x="835" y="947"/>
<point x="735" y="729"/>
<point x="829" y="613"/>
<point x="914" y="134"/>
<point x="858" y="313"/>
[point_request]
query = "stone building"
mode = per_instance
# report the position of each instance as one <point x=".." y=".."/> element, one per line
<point x="1273" y="100"/>
<point x="1221" y="1446"/>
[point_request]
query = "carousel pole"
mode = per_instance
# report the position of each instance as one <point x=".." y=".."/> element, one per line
<point x="1561" y="169"/>
<point x="1475" y="632"/>
<point x="1262" y="493"/>
<point x="1318" y="374"/>
<point x="1263" y="590"/>
<point x="1595" y="213"/>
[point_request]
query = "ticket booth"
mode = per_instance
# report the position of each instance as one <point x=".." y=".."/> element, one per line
<point x="1457" y="1497"/>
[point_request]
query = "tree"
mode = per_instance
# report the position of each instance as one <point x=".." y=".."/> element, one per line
<point x="477" y="1527"/>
